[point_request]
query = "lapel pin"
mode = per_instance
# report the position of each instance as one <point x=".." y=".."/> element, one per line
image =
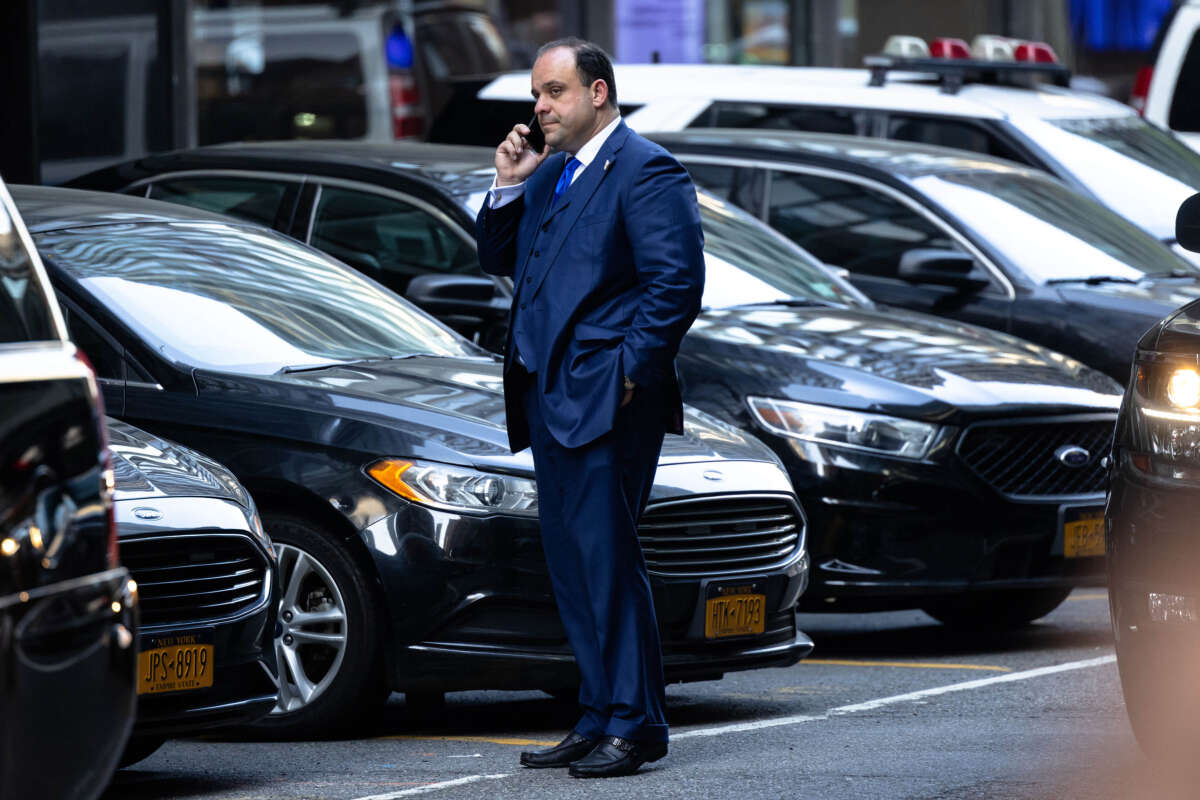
<point x="607" y="164"/>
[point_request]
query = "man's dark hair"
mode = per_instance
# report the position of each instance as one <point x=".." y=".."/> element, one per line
<point x="591" y="62"/>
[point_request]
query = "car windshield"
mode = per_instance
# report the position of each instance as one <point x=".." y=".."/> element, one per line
<point x="1142" y="172"/>
<point x="746" y="262"/>
<point x="238" y="299"/>
<point x="1048" y="232"/>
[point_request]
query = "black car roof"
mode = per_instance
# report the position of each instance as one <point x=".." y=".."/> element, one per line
<point x="48" y="208"/>
<point x="461" y="169"/>
<point x="904" y="160"/>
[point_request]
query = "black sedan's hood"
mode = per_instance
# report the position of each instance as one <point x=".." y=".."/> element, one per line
<point x="441" y="409"/>
<point x="889" y="360"/>
<point x="146" y="467"/>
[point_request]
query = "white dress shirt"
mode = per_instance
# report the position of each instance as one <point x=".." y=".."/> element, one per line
<point x="503" y="195"/>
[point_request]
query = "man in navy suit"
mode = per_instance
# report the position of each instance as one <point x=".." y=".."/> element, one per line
<point x="600" y="233"/>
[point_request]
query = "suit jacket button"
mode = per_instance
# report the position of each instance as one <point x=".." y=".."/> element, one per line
<point x="537" y="253"/>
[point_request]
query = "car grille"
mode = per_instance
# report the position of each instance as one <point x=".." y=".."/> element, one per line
<point x="720" y="535"/>
<point x="1019" y="459"/>
<point x="188" y="578"/>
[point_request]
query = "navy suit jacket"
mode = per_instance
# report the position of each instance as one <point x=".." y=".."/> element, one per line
<point x="606" y="283"/>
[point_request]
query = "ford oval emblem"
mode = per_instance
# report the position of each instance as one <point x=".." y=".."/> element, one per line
<point x="146" y="513"/>
<point x="713" y="475"/>
<point x="1072" y="455"/>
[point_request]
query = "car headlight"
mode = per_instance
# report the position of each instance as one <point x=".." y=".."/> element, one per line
<point x="456" y="488"/>
<point x="839" y="427"/>
<point x="1165" y="416"/>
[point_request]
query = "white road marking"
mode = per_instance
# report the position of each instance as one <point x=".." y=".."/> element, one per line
<point x="871" y="705"/>
<point x="433" y="787"/>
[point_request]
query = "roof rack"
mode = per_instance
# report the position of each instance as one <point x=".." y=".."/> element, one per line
<point x="952" y="74"/>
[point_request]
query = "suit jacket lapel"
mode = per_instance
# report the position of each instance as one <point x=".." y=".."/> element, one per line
<point x="576" y="199"/>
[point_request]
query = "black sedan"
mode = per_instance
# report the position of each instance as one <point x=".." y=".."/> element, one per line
<point x="959" y="235"/>
<point x="192" y="540"/>
<point x="933" y="458"/>
<point x="1153" y="550"/>
<point x="68" y="611"/>
<point x="372" y="440"/>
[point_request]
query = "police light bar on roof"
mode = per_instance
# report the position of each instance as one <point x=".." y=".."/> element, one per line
<point x="989" y="59"/>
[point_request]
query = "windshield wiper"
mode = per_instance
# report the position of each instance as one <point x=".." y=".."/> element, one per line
<point x="1093" y="280"/>
<point x="791" y="302"/>
<point x="353" y="362"/>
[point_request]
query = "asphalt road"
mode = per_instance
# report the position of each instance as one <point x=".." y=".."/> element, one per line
<point x="889" y="706"/>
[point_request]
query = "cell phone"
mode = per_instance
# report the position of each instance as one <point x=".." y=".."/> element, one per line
<point x="535" y="138"/>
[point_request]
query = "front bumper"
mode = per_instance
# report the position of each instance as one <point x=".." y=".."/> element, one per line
<point x="888" y="534"/>
<point x="472" y="606"/>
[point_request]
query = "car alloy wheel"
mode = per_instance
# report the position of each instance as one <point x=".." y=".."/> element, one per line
<point x="314" y="629"/>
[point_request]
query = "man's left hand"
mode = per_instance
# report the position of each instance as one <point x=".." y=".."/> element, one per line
<point x="628" y="398"/>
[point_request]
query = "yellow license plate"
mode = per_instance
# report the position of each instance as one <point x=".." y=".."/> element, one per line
<point x="734" y="615"/>
<point x="1084" y="536"/>
<point x="175" y="664"/>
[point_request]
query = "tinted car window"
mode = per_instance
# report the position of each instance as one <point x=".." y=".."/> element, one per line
<point x="454" y="45"/>
<point x="250" y="198"/>
<point x="715" y="179"/>
<point x="386" y="238"/>
<point x="1063" y="236"/>
<point x="948" y="133"/>
<point x="779" y="117"/>
<point x="25" y="313"/>
<point x="241" y="299"/>
<point x="849" y="225"/>
<point x="296" y="86"/>
<point x="1185" y="111"/>
<point x="105" y="358"/>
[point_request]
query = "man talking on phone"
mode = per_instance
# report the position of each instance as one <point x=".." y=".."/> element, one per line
<point x="600" y="232"/>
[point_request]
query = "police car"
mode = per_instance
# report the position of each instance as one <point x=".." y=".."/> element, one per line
<point x="977" y="97"/>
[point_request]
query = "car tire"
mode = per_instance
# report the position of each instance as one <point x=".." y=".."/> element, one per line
<point x="139" y="748"/>
<point x="329" y="664"/>
<point x="995" y="611"/>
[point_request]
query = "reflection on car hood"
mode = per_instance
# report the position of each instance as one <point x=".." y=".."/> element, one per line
<point x="449" y="409"/>
<point x="146" y="467"/>
<point x="898" y="361"/>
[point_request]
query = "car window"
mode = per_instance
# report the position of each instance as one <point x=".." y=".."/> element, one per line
<point x="255" y="199"/>
<point x="25" y="313"/>
<point x="742" y="186"/>
<point x="1063" y="235"/>
<point x="456" y="45"/>
<point x="1184" y="114"/>
<point x="105" y="358"/>
<point x="782" y="117"/>
<point x="849" y="225"/>
<point x="241" y="299"/>
<point x="388" y="239"/>
<point x="958" y="134"/>
<point x="303" y="85"/>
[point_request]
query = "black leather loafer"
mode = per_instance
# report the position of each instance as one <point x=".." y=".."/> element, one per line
<point x="572" y="748"/>
<point x="613" y="756"/>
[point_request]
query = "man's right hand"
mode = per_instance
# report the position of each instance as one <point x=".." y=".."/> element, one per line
<point x="515" y="159"/>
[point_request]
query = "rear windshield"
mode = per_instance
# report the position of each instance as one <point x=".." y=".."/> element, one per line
<point x="1141" y="171"/>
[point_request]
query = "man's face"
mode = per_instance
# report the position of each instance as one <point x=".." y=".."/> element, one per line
<point x="566" y="109"/>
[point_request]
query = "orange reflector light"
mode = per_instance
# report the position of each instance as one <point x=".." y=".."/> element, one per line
<point x="390" y="474"/>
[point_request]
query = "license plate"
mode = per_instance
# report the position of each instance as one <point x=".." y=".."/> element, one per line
<point x="736" y="610"/>
<point x="177" y="663"/>
<point x="1083" y="532"/>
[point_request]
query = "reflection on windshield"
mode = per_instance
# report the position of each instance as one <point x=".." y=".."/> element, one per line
<point x="231" y="298"/>
<point x="1130" y="165"/>
<point x="1062" y="235"/>
<point x="747" y="262"/>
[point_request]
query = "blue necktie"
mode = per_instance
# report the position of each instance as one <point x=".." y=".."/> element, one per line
<point x="564" y="180"/>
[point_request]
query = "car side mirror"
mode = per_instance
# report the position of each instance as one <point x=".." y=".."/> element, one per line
<point x="1187" y="224"/>
<point x="462" y="295"/>
<point x="942" y="268"/>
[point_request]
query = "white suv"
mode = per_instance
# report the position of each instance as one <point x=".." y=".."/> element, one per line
<point x="1098" y="146"/>
<point x="1172" y="98"/>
